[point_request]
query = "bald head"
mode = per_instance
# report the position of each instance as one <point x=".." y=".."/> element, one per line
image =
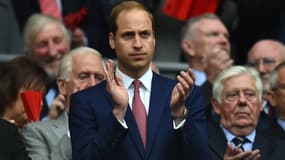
<point x="264" y="56"/>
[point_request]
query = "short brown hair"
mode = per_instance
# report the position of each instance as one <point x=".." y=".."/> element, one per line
<point x="125" y="6"/>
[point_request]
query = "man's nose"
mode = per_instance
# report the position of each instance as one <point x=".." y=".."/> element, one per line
<point x="137" y="41"/>
<point x="260" y="67"/>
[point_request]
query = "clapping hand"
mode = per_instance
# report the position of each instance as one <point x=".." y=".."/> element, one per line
<point x="233" y="153"/>
<point x="181" y="91"/>
<point x="117" y="91"/>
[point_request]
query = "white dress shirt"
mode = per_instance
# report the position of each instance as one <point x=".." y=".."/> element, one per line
<point x="145" y="90"/>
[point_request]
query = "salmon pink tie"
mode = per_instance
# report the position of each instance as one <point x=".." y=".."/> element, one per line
<point x="139" y="111"/>
<point x="51" y="8"/>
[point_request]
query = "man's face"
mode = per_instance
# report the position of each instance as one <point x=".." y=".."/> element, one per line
<point x="133" y="42"/>
<point x="87" y="71"/>
<point x="240" y="105"/>
<point x="279" y="94"/>
<point x="49" y="45"/>
<point x="264" y="57"/>
<point x="210" y="35"/>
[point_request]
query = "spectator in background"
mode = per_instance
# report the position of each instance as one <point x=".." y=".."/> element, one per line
<point x="237" y="99"/>
<point x="93" y="25"/>
<point x="46" y="39"/>
<point x="202" y="36"/>
<point x="17" y="76"/>
<point x="81" y="68"/>
<point x="205" y="42"/>
<point x="264" y="55"/>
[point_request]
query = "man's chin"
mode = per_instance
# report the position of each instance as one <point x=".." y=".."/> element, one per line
<point x="52" y="73"/>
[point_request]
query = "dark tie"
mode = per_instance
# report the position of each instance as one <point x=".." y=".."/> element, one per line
<point x="139" y="111"/>
<point x="239" y="141"/>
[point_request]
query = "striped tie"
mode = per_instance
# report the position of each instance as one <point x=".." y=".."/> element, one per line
<point x="239" y="141"/>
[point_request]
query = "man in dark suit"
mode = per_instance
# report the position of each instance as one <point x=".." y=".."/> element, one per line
<point x="237" y="99"/>
<point x="104" y="124"/>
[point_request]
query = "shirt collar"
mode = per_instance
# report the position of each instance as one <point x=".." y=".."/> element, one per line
<point x="145" y="79"/>
<point x="230" y="136"/>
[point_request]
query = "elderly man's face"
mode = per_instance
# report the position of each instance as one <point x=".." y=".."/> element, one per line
<point x="48" y="46"/>
<point x="240" y="105"/>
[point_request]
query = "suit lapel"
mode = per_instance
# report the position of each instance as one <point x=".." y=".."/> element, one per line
<point x="264" y="144"/>
<point x="134" y="132"/>
<point x="59" y="126"/>
<point x="159" y="93"/>
<point x="217" y="140"/>
<point x="132" y="128"/>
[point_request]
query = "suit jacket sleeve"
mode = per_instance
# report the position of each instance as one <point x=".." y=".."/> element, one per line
<point x="62" y="151"/>
<point x="194" y="131"/>
<point x="88" y="139"/>
<point x="35" y="143"/>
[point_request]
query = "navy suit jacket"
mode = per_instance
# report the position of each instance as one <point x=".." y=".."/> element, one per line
<point x="97" y="134"/>
<point x="271" y="147"/>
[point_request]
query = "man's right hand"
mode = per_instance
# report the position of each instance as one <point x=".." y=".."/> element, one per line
<point x="57" y="107"/>
<point x="117" y="92"/>
<point x="216" y="62"/>
<point x="233" y="153"/>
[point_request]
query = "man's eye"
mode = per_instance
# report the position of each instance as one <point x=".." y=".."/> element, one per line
<point x="42" y="44"/>
<point x="83" y="76"/>
<point x="57" y="40"/>
<point x="127" y="35"/>
<point x="231" y="96"/>
<point x="268" y="61"/>
<point x="100" y="77"/>
<point x="213" y="34"/>
<point x="250" y="95"/>
<point x="145" y="34"/>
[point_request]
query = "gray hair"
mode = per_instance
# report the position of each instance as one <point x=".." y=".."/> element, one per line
<point x="273" y="78"/>
<point x="187" y="29"/>
<point x="233" y="71"/>
<point x="65" y="66"/>
<point x="35" y="24"/>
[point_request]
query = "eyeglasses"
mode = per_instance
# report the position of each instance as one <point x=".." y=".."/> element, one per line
<point x="233" y="96"/>
<point x="265" y="61"/>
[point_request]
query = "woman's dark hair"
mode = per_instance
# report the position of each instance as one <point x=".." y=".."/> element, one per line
<point x="21" y="73"/>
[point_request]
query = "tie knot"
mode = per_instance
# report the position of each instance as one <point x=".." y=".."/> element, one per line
<point x="137" y="84"/>
<point x="239" y="141"/>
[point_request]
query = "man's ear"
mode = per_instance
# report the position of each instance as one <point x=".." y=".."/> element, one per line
<point x="187" y="47"/>
<point x="271" y="98"/>
<point x="216" y="106"/>
<point x="61" y="86"/>
<point x="112" y="40"/>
